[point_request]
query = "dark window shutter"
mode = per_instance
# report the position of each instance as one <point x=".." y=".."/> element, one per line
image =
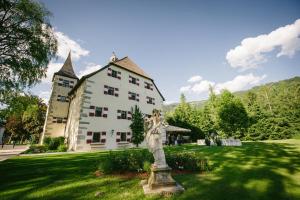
<point x="103" y="133"/>
<point x="116" y="95"/>
<point x="89" y="133"/>
<point x="105" y="108"/>
<point x="118" y="140"/>
<point x="118" y="117"/>
<point x="105" y="92"/>
<point x="103" y="140"/>
<point x="92" y="107"/>
<point x="128" y="140"/>
<point x="118" y="133"/>
<point x="128" y="133"/>
<point x="89" y="141"/>
<point x="105" y="115"/>
<point x="91" y="114"/>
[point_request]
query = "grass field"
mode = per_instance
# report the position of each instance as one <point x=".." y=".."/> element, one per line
<point x="257" y="170"/>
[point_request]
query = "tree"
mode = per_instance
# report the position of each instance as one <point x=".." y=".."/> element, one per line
<point x="186" y="117"/>
<point x="27" y="44"/>
<point x="137" y="126"/>
<point x="232" y="115"/>
<point x="24" y="117"/>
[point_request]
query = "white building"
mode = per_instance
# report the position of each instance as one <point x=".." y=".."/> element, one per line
<point x="99" y="112"/>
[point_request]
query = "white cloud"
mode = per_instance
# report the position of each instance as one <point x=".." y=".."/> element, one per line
<point x="52" y="68"/>
<point x="251" y="52"/>
<point x="184" y="89"/>
<point x="91" y="67"/>
<point x="65" y="44"/>
<point x="195" y="79"/>
<point x="45" y="95"/>
<point x="240" y="82"/>
<point x="201" y="87"/>
<point x="168" y="102"/>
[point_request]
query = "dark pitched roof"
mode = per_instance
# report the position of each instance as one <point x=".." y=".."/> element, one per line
<point x="67" y="69"/>
<point x="124" y="63"/>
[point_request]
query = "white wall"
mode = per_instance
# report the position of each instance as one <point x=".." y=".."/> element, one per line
<point x="94" y="95"/>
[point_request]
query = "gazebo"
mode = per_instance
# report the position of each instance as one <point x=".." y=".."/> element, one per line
<point x="175" y="131"/>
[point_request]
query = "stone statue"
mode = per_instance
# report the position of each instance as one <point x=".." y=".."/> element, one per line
<point x="153" y="127"/>
<point x="160" y="179"/>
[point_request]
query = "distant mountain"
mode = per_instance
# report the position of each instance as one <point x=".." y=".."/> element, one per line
<point x="278" y="84"/>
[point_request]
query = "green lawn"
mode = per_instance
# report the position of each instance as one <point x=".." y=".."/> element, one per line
<point x="257" y="170"/>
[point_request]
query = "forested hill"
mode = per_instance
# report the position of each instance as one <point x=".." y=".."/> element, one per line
<point x="279" y="86"/>
<point x="270" y="111"/>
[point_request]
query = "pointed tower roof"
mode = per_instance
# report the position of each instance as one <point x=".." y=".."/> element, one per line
<point x="67" y="69"/>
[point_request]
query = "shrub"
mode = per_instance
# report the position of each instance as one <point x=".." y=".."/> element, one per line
<point x="54" y="143"/>
<point x="218" y="141"/>
<point x="147" y="166"/>
<point x="140" y="160"/>
<point x="207" y="141"/>
<point x="62" y="148"/>
<point x="36" y="149"/>
<point x="187" y="161"/>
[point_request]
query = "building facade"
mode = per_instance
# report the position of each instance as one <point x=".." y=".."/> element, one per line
<point x="99" y="112"/>
<point x="58" y="106"/>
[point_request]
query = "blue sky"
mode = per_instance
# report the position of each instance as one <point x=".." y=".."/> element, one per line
<point x="183" y="45"/>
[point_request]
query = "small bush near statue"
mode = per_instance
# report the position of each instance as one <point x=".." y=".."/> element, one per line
<point x="139" y="160"/>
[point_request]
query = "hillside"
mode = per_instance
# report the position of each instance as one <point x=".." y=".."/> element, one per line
<point x="279" y="86"/>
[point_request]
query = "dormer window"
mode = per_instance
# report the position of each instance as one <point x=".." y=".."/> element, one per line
<point x="133" y="80"/>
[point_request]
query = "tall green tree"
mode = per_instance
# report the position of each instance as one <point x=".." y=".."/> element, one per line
<point x="233" y="117"/>
<point x="137" y="126"/>
<point x="186" y="116"/>
<point x="27" y="43"/>
<point x="24" y="117"/>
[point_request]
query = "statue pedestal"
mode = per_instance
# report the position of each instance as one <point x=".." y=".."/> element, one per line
<point x="161" y="181"/>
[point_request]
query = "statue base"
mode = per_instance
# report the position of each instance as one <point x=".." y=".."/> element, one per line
<point x="161" y="182"/>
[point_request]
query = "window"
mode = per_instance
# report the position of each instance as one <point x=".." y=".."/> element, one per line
<point x="62" y="98"/>
<point x="123" y="115"/>
<point x="59" y="120"/>
<point x="123" y="136"/>
<point x="148" y="86"/>
<point x="98" y="112"/>
<point x="114" y="73"/>
<point x="133" y="96"/>
<point x="111" y="91"/>
<point x="65" y="83"/>
<point x="150" y="100"/>
<point x="133" y="80"/>
<point x="96" y="137"/>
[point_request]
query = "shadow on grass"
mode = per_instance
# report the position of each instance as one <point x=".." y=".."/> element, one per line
<point x="254" y="171"/>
